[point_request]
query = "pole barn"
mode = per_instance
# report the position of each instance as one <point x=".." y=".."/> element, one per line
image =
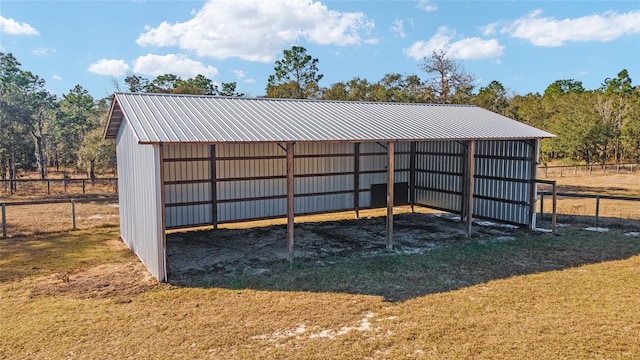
<point x="187" y="161"/>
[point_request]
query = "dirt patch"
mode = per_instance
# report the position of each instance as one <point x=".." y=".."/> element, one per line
<point x="251" y="250"/>
<point x="118" y="281"/>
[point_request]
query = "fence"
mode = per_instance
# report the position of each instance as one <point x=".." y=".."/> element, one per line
<point x="11" y="186"/>
<point x="563" y="170"/>
<point x="40" y="222"/>
<point x="596" y="205"/>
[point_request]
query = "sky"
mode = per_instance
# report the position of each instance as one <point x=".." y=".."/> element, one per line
<point x="525" y="45"/>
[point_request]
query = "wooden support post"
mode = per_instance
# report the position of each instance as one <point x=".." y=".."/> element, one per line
<point x="290" y="201"/>
<point x="412" y="175"/>
<point x="597" y="208"/>
<point x="73" y="214"/>
<point x="4" y="220"/>
<point x="390" y="181"/>
<point x="541" y="206"/>
<point x="48" y="187"/>
<point x="214" y="187"/>
<point x="471" y="148"/>
<point x="356" y="179"/>
<point x="83" y="186"/>
<point x="533" y="185"/>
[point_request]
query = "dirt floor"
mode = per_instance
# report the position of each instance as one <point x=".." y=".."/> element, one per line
<point x="250" y="250"/>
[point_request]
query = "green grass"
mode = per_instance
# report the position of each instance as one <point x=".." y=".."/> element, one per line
<point x="537" y="296"/>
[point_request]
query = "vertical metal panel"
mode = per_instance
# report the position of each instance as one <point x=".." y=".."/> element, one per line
<point x="250" y="161"/>
<point x="510" y="162"/>
<point x="439" y="167"/>
<point x="140" y="200"/>
<point x="187" y="163"/>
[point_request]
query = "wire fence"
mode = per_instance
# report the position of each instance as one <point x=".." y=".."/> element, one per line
<point x="586" y="169"/>
<point x="21" y="218"/>
<point x="59" y="186"/>
<point x="43" y="216"/>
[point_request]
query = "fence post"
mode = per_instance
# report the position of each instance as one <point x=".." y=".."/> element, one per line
<point x="4" y="221"/>
<point x="597" y="208"/>
<point x="73" y="214"/>
<point x="48" y="187"/>
<point x="83" y="183"/>
<point x="541" y="206"/>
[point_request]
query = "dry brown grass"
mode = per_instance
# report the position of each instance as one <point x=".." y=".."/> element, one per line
<point x="627" y="184"/>
<point x="83" y="295"/>
<point x="25" y="220"/>
<point x="78" y="295"/>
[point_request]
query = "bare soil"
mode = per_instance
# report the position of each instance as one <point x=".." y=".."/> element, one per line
<point x="114" y="280"/>
<point x="251" y="250"/>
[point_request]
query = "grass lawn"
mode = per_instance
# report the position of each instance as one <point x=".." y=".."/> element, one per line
<point x="83" y="295"/>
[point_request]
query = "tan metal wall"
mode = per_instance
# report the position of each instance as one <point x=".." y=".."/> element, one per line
<point x="141" y="201"/>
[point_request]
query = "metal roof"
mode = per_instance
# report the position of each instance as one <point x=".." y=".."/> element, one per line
<point x="173" y="118"/>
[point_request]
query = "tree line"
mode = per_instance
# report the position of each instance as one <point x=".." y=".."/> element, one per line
<point x="592" y="126"/>
<point x="39" y="131"/>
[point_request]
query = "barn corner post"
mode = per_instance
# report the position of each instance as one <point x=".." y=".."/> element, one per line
<point x="390" y="190"/>
<point x="290" y="201"/>
<point x="470" y="157"/>
<point x="163" y="214"/>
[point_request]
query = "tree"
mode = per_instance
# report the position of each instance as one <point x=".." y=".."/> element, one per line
<point x="296" y="76"/>
<point x="19" y="91"/>
<point x="74" y="120"/>
<point x="163" y="84"/>
<point x="136" y="83"/>
<point x="559" y="87"/>
<point x="450" y="83"/>
<point x="614" y="108"/>
<point x="493" y="97"/>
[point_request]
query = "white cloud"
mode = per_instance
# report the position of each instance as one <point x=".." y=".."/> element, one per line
<point x="489" y="29"/>
<point x="57" y="77"/>
<point x="42" y="51"/>
<point x="240" y="74"/>
<point x="258" y="30"/>
<point x="371" y="41"/>
<point x="427" y="5"/>
<point x="398" y="28"/>
<point x="112" y="67"/>
<point x="466" y="48"/>
<point x="12" y="27"/>
<point x="177" y="64"/>
<point x="547" y="31"/>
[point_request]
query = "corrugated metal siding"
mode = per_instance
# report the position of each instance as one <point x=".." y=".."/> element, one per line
<point x="510" y="162"/>
<point x="140" y="200"/>
<point x="187" y="118"/>
<point x="243" y="161"/>
<point x="310" y="177"/>
<point x="251" y="179"/>
<point x="187" y="163"/>
<point x="439" y="169"/>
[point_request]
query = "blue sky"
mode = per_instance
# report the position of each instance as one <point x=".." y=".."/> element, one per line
<point x="526" y="45"/>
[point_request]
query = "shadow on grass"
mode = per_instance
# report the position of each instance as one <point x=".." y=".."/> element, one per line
<point x="454" y="265"/>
